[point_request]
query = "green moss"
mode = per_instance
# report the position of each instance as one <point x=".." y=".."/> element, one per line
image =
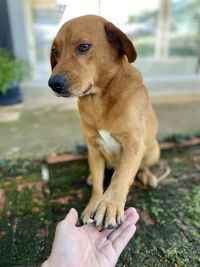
<point x="174" y="256"/>
<point x="167" y="232"/>
<point x="194" y="206"/>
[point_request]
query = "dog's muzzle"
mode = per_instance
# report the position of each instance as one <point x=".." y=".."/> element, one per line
<point x="59" y="85"/>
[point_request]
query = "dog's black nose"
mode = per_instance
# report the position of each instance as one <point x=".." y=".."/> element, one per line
<point x="58" y="84"/>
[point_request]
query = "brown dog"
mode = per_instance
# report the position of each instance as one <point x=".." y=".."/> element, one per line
<point x="91" y="59"/>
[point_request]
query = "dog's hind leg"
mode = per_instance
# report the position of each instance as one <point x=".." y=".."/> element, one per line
<point x="147" y="177"/>
<point x="151" y="157"/>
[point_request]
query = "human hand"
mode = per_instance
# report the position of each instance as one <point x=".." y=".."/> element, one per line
<point x="87" y="246"/>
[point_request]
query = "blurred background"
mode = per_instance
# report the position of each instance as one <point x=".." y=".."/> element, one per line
<point x="166" y="35"/>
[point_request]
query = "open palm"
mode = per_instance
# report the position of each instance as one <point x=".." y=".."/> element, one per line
<point x="87" y="246"/>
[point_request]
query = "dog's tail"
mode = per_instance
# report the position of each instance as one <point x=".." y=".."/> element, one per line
<point x="165" y="174"/>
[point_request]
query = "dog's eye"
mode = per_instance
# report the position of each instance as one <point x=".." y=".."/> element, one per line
<point x="82" y="48"/>
<point x="55" y="52"/>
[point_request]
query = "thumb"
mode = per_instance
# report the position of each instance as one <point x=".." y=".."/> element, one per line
<point x="72" y="217"/>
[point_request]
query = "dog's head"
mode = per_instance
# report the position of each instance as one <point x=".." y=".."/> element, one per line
<point x="86" y="54"/>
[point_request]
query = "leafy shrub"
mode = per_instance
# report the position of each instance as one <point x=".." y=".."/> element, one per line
<point x="11" y="69"/>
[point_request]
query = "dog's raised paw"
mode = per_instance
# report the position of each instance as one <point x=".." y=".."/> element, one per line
<point x="109" y="213"/>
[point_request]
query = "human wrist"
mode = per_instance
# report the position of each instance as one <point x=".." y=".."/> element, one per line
<point x="48" y="263"/>
<point x="54" y="262"/>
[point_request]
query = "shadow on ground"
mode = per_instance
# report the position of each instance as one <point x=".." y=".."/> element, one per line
<point x="168" y="232"/>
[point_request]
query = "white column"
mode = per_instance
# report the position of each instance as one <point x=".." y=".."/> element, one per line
<point x="21" y="29"/>
<point x="163" y="29"/>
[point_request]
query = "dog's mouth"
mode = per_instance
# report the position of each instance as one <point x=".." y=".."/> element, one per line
<point x="74" y="93"/>
<point x="86" y="91"/>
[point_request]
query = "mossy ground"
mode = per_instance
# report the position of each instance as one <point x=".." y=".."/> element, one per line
<point x="168" y="232"/>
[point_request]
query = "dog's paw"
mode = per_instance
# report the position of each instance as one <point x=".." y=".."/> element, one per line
<point x="147" y="178"/>
<point x="89" y="211"/>
<point x="109" y="212"/>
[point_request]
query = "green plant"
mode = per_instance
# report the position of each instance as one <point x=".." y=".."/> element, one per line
<point x="11" y="69"/>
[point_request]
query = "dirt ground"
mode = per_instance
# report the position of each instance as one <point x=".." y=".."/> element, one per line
<point x="168" y="231"/>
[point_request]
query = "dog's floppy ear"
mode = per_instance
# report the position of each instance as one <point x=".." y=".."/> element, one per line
<point x="52" y="60"/>
<point x="123" y="44"/>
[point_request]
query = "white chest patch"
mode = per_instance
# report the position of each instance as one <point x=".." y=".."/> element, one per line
<point x="110" y="148"/>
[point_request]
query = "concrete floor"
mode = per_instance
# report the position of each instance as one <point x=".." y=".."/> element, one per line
<point x="53" y="128"/>
<point x="178" y="117"/>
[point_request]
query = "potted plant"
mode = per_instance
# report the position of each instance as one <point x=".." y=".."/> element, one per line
<point x="12" y="71"/>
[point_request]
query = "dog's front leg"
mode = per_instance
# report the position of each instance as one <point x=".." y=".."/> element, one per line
<point x="110" y="209"/>
<point x="97" y="166"/>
